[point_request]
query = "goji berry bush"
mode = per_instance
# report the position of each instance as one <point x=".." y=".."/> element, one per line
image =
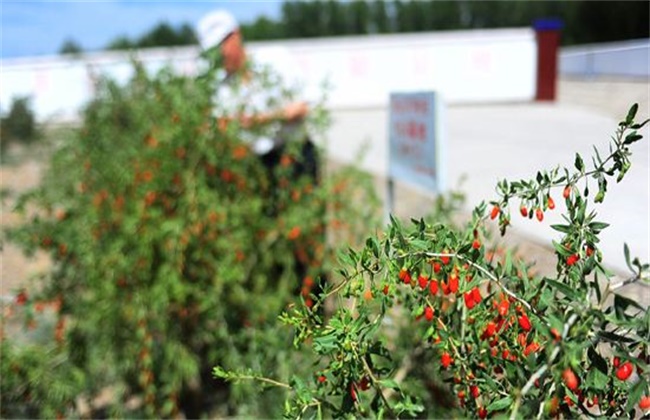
<point x="174" y="248"/>
<point x="426" y="322"/>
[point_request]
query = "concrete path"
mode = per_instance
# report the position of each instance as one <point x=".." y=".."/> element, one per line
<point x="487" y="143"/>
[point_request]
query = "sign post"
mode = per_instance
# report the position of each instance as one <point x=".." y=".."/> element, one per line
<point x="415" y="144"/>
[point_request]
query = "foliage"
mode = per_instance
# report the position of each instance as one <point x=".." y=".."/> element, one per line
<point x="173" y="248"/>
<point x="19" y="125"/>
<point x="330" y="18"/>
<point x="584" y="21"/>
<point x="162" y="35"/>
<point x="70" y="46"/>
<point x="425" y="317"/>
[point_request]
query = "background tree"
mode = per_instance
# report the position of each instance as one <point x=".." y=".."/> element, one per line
<point x="360" y="17"/>
<point x="263" y="28"/>
<point x="336" y="18"/>
<point x="70" y="46"/>
<point x="379" y="20"/>
<point x="583" y="21"/>
<point x="122" y="42"/>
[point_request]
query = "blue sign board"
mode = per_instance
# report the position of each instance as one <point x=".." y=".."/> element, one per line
<point x="414" y="140"/>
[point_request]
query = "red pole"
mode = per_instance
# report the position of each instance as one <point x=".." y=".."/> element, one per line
<point x="548" y="40"/>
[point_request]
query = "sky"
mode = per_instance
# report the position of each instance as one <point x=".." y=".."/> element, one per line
<point x="36" y="28"/>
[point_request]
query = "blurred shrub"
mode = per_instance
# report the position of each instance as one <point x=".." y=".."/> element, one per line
<point x="19" y="124"/>
<point x="174" y="249"/>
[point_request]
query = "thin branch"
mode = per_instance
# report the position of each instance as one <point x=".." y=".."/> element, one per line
<point x="627" y="281"/>
<point x="490" y="276"/>
<point x="375" y="382"/>
<point x="260" y="379"/>
<point x="542" y="369"/>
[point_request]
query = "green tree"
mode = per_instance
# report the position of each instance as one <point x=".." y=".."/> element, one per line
<point x="443" y="15"/>
<point x="360" y="17"/>
<point x="161" y="35"/>
<point x="263" y="28"/>
<point x="336" y="18"/>
<point x="379" y="17"/>
<point x="70" y="46"/>
<point x="122" y="42"/>
<point x="19" y="124"/>
<point x="186" y="35"/>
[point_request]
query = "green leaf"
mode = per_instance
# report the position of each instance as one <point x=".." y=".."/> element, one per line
<point x="566" y="290"/>
<point x="621" y="303"/>
<point x="635" y="394"/>
<point x="597" y="380"/>
<point x="561" y="228"/>
<point x="579" y="164"/>
<point x="598" y="361"/>
<point x="596" y="227"/>
<point x="626" y="253"/>
<point x="390" y="383"/>
<point x="500" y="404"/>
<point x="640" y="125"/>
<point x="632" y="137"/>
<point x="615" y="337"/>
<point x="373" y="245"/>
<point x="219" y="372"/>
<point x="631" y="114"/>
<point x="325" y="343"/>
<point x="561" y="249"/>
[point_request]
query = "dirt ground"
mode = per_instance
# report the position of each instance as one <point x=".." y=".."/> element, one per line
<point x="15" y="177"/>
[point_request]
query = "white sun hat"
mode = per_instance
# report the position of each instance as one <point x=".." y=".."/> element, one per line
<point x="214" y="27"/>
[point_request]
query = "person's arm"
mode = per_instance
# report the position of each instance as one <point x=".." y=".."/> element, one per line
<point x="292" y="112"/>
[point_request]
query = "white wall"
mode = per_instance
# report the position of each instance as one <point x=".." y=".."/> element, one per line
<point x="626" y="58"/>
<point x="465" y="66"/>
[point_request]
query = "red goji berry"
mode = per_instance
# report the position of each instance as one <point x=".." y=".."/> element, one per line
<point x="524" y="211"/>
<point x="476" y="295"/>
<point x="644" y="403"/>
<point x="353" y="393"/>
<point x="567" y="192"/>
<point x="433" y="287"/>
<point x="453" y="283"/>
<point x="495" y="212"/>
<point x="572" y="259"/>
<point x="556" y="334"/>
<point x="570" y="379"/>
<point x="436" y="267"/>
<point x="524" y="323"/>
<point x="423" y="281"/>
<point x="490" y="329"/>
<point x="446" y="360"/>
<point x="444" y="287"/>
<point x="21" y="298"/>
<point x="550" y="203"/>
<point x="405" y="276"/>
<point x="539" y="214"/>
<point x="469" y="300"/>
<point x="503" y="307"/>
<point x="428" y="313"/>
<point x="531" y="348"/>
<point x="625" y="371"/>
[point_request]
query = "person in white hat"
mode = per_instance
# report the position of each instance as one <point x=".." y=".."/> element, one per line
<point x="244" y="92"/>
